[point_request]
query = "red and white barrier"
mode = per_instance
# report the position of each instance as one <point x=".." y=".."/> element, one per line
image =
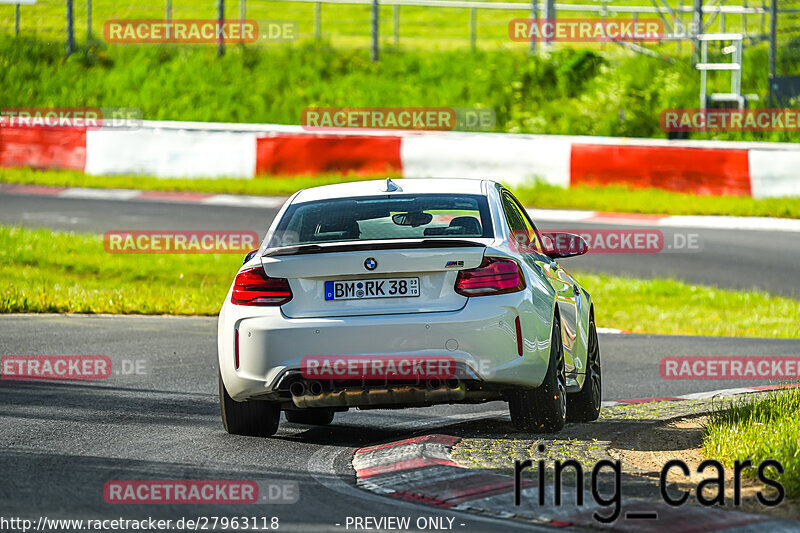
<point x="188" y="150"/>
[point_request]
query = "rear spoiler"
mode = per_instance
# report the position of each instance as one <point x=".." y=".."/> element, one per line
<point x="361" y="246"/>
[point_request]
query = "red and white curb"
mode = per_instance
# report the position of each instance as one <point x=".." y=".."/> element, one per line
<point x="421" y="470"/>
<point x="544" y="215"/>
<point x="204" y="150"/>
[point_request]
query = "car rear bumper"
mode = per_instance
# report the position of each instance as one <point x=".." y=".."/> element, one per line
<point x="480" y="338"/>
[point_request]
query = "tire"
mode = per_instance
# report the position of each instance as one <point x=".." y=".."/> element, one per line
<point x="321" y="416"/>
<point x="251" y="418"/>
<point x="543" y="409"/>
<point x="584" y="406"/>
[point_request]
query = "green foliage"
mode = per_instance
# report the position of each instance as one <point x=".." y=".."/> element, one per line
<point x="568" y="92"/>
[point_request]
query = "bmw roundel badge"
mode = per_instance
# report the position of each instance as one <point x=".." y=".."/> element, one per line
<point x="370" y="263"/>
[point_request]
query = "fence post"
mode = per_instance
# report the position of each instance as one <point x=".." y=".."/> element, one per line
<point x="473" y="30"/>
<point x="697" y="27"/>
<point x="535" y="15"/>
<point x="550" y="15"/>
<point x="318" y="21"/>
<point x="16" y="20"/>
<point x="396" y="26"/>
<point x="220" y="20"/>
<point x="168" y="17"/>
<point x="683" y="28"/>
<point x="88" y="20"/>
<point x="374" y="54"/>
<point x="242" y="17"/>
<point x="744" y="21"/>
<point x="773" y="36"/>
<point x="70" y="34"/>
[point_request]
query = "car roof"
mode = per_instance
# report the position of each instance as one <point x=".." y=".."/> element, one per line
<point x="378" y="187"/>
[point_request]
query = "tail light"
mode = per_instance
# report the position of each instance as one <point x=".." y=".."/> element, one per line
<point x="254" y="287"/>
<point x="496" y="275"/>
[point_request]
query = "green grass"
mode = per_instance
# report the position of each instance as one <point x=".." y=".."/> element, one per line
<point x="263" y="185"/>
<point x="613" y="199"/>
<point x="47" y="272"/>
<point x="57" y="272"/>
<point x="669" y="306"/>
<point x="759" y="429"/>
<point x="571" y="91"/>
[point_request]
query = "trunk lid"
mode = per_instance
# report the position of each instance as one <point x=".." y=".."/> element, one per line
<point x="433" y="262"/>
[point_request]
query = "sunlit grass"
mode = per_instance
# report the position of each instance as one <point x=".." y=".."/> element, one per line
<point x="759" y="429"/>
<point x="55" y="272"/>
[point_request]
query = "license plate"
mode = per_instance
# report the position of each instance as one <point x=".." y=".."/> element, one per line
<point x="361" y="289"/>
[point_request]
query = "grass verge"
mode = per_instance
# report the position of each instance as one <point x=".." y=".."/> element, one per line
<point x="52" y="272"/>
<point x="613" y="198"/>
<point x="759" y="429"/>
<point x="263" y="186"/>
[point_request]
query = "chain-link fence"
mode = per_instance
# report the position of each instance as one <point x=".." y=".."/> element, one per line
<point x="787" y="38"/>
<point x="420" y="24"/>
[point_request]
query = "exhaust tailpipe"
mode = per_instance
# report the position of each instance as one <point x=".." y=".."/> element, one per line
<point x="297" y="388"/>
<point x="434" y="383"/>
<point x="315" y="388"/>
<point x="453" y="383"/>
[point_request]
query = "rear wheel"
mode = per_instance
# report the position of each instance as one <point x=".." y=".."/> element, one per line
<point x="544" y="408"/>
<point x="251" y="418"/>
<point x="584" y="406"/>
<point x="321" y="416"/>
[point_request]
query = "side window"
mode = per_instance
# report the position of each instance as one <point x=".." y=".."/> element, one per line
<point x="522" y="231"/>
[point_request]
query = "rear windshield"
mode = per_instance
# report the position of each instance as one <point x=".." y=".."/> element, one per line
<point x="382" y="218"/>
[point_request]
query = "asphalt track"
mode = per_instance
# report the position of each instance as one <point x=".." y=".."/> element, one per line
<point x="738" y="259"/>
<point x="62" y="441"/>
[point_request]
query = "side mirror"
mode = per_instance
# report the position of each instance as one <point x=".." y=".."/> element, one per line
<point x="558" y="245"/>
<point x="249" y="255"/>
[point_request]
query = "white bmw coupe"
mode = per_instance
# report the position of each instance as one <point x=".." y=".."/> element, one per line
<point x="406" y="293"/>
